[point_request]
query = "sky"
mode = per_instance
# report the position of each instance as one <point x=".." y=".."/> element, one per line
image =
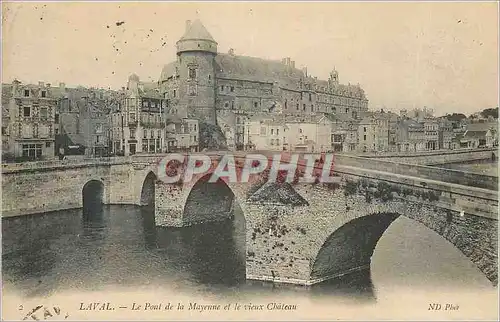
<point x="404" y="54"/>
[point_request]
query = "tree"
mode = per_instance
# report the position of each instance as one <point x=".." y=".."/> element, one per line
<point x="456" y="117"/>
<point x="490" y="112"/>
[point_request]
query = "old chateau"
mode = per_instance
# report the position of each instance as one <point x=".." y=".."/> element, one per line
<point x="253" y="103"/>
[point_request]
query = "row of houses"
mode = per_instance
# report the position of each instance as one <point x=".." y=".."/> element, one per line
<point x="372" y="132"/>
<point x="41" y="121"/>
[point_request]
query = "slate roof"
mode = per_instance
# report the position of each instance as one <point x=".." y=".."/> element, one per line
<point x="197" y="31"/>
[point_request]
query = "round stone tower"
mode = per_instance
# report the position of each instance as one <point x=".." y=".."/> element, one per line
<point x="196" y="51"/>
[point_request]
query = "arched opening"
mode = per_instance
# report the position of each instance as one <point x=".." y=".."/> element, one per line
<point x="350" y="247"/>
<point x="208" y="202"/>
<point x="92" y="194"/>
<point x="148" y="190"/>
<point x="394" y="251"/>
<point x="216" y="236"/>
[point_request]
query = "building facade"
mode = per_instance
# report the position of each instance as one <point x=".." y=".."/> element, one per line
<point x="139" y="125"/>
<point x="32" y="121"/>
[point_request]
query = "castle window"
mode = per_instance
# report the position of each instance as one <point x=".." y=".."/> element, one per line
<point x="192" y="73"/>
<point x="27" y="111"/>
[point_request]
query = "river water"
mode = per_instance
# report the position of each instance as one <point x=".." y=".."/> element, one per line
<point x="118" y="248"/>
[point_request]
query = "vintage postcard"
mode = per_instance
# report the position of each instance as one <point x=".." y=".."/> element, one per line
<point x="249" y="161"/>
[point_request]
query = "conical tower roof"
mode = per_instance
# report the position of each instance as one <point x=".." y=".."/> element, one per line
<point x="197" y="31"/>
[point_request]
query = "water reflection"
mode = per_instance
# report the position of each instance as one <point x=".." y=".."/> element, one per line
<point x="101" y="246"/>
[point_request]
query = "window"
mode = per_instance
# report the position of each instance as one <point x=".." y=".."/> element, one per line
<point x="192" y="90"/>
<point x="364" y="137"/>
<point x="132" y="117"/>
<point x="364" y="129"/>
<point x="26" y="92"/>
<point x="277" y="141"/>
<point x="304" y="107"/>
<point x="272" y="131"/>
<point x="32" y="150"/>
<point x="312" y="108"/>
<point x="158" y="134"/>
<point x="209" y="77"/>
<point x="232" y="105"/>
<point x="300" y="130"/>
<point x="27" y="111"/>
<point x="195" y="138"/>
<point x="44" y="94"/>
<point x="222" y="88"/>
<point x="145" y="133"/>
<point x="97" y="139"/>
<point x="232" y="88"/>
<point x="297" y="106"/>
<point x="132" y="133"/>
<point x="192" y="73"/>
<point x="347" y="110"/>
<point x="56" y="131"/>
<point x="47" y="144"/>
<point x="286" y="104"/>
<point x="226" y="104"/>
<point x="255" y="104"/>
<point x="175" y="93"/>
<point x="310" y="97"/>
<point x="98" y="128"/>
<point x="44" y="131"/>
<point x="263" y="131"/>
<point x="272" y="141"/>
<point x="277" y="132"/>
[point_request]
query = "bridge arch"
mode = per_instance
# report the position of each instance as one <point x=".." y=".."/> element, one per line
<point x="210" y="201"/>
<point x="147" y="197"/>
<point x="92" y="194"/>
<point x="350" y="245"/>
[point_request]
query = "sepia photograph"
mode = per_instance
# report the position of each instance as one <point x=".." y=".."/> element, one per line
<point x="280" y="161"/>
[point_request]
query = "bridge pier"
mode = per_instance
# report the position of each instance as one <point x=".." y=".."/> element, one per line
<point x="169" y="204"/>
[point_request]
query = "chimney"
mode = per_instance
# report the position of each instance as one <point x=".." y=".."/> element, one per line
<point x="40" y="84"/>
<point x="15" y="86"/>
<point x="62" y="86"/>
<point x="231" y="51"/>
<point x="304" y="70"/>
<point x="48" y="85"/>
<point x="188" y="24"/>
<point x="293" y="63"/>
<point x="288" y="61"/>
<point x="283" y="61"/>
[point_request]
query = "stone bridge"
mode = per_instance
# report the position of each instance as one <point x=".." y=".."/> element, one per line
<point x="296" y="232"/>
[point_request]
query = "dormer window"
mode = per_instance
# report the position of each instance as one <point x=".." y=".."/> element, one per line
<point x="26" y="93"/>
<point x="44" y="94"/>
